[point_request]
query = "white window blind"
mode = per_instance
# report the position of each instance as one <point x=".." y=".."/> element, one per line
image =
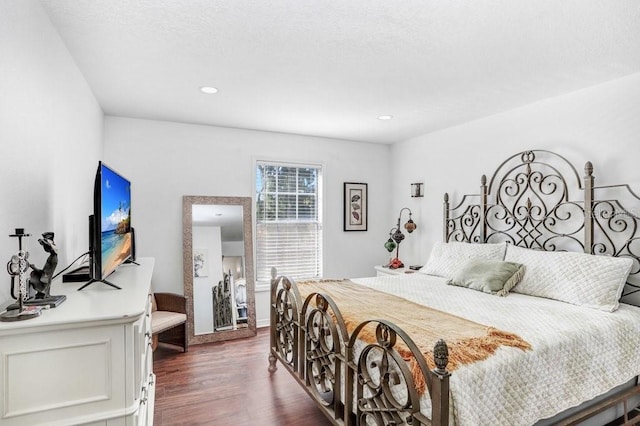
<point x="288" y="220"/>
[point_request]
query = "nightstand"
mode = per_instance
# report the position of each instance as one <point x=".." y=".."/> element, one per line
<point x="382" y="271"/>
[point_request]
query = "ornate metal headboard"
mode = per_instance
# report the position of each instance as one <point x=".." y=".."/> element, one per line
<point x="536" y="199"/>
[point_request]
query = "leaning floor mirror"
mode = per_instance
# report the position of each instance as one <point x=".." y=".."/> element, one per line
<point x="218" y="268"/>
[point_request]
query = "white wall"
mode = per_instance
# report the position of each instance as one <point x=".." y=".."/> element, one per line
<point x="208" y="238"/>
<point x="233" y="248"/>
<point x="167" y="160"/>
<point x="50" y="138"/>
<point x="599" y="124"/>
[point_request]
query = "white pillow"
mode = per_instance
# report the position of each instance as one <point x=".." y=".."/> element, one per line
<point x="447" y="258"/>
<point x="577" y="278"/>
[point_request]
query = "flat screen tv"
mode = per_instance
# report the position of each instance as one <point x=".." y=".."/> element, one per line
<point x="111" y="237"/>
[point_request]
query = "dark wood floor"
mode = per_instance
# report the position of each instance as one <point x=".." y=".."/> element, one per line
<point x="228" y="383"/>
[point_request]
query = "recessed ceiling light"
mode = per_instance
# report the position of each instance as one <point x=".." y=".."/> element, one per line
<point x="208" y="90"/>
<point x="385" y="117"/>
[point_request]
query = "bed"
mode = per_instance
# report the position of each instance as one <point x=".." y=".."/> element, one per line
<point x="526" y="313"/>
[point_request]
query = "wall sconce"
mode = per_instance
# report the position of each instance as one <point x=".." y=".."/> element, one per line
<point x="417" y="189"/>
<point x="396" y="236"/>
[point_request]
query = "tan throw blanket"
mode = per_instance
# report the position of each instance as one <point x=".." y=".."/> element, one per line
<point x="468" y="341"/>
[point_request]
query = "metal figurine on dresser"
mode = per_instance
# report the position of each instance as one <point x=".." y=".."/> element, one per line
<point x="18" y="267"/>
<point x="39" y="279"/>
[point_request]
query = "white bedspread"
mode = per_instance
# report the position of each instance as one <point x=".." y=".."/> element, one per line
<point x="578" y="353"/>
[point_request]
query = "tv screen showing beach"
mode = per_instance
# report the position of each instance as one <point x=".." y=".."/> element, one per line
<point x="115" y="220"/>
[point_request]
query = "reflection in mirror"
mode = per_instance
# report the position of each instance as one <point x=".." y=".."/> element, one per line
<point x="218" y="268"/>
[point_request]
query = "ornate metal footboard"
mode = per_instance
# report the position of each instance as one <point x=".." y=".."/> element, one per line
<point x="353" y="383"/>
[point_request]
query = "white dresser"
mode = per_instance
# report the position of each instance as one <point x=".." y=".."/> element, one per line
<point x="88" y="361"/>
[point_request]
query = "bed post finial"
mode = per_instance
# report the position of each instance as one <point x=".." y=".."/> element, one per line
<point x="441" y="356"/>
<point x="588" y="169"/>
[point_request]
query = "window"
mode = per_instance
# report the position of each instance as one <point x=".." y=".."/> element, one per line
<point x="288" y="220"/>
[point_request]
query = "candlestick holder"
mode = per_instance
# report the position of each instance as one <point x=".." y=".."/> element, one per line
<point x="18" y="267"/>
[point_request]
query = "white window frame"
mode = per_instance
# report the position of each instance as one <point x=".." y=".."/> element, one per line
<point x="262" y="282"/>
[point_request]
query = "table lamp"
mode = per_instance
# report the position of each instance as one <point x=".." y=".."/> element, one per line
<point x="396" y="236"/>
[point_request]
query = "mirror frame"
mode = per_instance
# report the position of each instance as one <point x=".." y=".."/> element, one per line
<point x="187" y="250"/>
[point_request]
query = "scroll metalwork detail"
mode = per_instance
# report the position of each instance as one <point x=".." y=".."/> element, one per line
<point x="380" y="373"/>
<point x="533" y="209"/>
<point x="322" y="345"/>
<point x="527" y="203"/>
<point x="616" y="234"/>
<point x="376" y="403"/>
<point x="284" y="309"/>
<point x="464" y="223"/>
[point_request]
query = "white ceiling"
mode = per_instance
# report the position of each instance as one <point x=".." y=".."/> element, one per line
<point x="331" y="67"/>
<point x="227" y="217"/>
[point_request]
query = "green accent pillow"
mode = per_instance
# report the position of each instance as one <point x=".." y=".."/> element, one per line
<point x="489" y="276"/>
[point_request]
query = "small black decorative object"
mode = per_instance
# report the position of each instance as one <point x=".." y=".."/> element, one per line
<point x="40" y="279"/>
<point x="416" y="190"/>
